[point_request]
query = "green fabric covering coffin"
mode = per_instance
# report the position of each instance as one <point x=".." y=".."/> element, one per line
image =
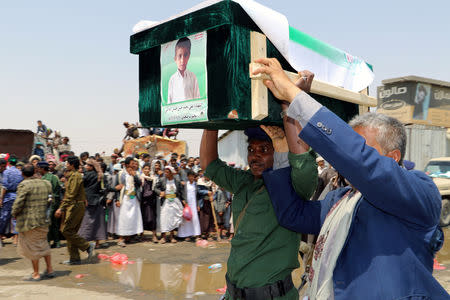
<point x="228" y="56"/>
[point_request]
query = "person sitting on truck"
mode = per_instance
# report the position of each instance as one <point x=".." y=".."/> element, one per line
<point x="41" y="129"/>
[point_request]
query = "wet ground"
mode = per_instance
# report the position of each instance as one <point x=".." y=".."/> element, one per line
<point x="170" y="271"/>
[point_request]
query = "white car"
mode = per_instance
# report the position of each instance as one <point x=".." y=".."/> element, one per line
<point x="439" y="170"/>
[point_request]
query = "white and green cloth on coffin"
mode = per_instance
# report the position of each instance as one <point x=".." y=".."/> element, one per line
<point x="302" y="51"/>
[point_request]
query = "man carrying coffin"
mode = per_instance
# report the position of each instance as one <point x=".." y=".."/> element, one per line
<point x="263" y="254"/>
<point x="377" y="238"/>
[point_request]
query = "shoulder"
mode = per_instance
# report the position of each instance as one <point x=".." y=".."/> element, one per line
<point x="191" y="74"/>
<point x="173" y="77"/>
<point x="24" y="184"/>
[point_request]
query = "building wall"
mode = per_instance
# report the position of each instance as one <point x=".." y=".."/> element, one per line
<point x="425" y="142"/>
<point x="232" y="147"/>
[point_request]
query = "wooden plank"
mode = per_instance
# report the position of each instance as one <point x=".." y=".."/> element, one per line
<point x="260" y="97"/>
<point x="324" y="89"/>
<point x="364" y="108"/>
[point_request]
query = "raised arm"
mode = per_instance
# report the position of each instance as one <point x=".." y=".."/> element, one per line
<point x="411" y="196"/>
<point x="293" y="212"/>
<point x="208" y="148"/>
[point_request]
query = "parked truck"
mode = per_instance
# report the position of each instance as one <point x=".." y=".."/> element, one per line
<point x="18" y="142"/>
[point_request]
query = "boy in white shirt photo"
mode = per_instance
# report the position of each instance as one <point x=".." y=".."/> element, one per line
<point x="183" y="84"/>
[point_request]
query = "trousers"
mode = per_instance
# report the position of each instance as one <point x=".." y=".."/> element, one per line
<point x="5" y="216"/>
<point x="70" y="227"/>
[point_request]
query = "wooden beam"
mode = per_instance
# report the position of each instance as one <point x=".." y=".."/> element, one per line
<point x="364" y="108"/>
<point x="323" y="88"/>
<point x="260" y="98"/>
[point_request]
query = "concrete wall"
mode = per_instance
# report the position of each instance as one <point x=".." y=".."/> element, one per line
<point x="233" y="147"/>
<point x="425" y="142"/>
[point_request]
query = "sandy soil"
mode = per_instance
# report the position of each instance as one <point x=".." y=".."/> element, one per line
<point x="170" y="271"/>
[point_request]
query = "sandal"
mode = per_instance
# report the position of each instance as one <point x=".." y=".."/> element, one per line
<point x="173" y="241"/>
<point x="162" y="241"/>
<point x="121" y="244"/>
<point x="31" y="278"/>
<point x="48" y="275"/>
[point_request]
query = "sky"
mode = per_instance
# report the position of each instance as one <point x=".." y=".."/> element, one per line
<point x="68" y="62"/>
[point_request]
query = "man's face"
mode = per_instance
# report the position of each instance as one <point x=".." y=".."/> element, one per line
<point x="40" y="171"/>
<point x="51" y="166"/>
<point x="34" y="162"/>
<point x="134" y="165"/>
<point x="183" y="164"/>
<point x="146" y="170"/>
<point x="370" y="135"/>
<point x="191" y="178"/>
<point x="181" y="58"/>
<point x="259" y="156"/>
<point x="191" y="162"/>
<point x="321" y="163"/>
<point x="65" y="141"/>
<point x="114" y="159"/>
<point x="147" y="159"/>
<point x="39" y="123"/>
<point x="89" y="167"/>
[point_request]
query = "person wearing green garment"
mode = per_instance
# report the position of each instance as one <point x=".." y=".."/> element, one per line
<point x="53" y="233"/>
<point x="263" y="254"/>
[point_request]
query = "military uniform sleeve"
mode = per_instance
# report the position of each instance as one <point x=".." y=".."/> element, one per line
<point x="227" y="177"/>
<point x="304" y="173"/>
<point x="19" y="203"/>
<point x="71" y="190"/>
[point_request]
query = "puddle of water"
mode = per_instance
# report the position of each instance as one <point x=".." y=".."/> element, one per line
<point x="169" y="280"/>
<point x="443" y="256"/>
<point x="188" y="280"/>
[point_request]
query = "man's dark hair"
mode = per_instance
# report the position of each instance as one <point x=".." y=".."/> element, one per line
<point x="39" y="121"/>
<point x="145" y="155"/>
<point x="184" y="160"/>
<point x="136" y="156"/>
<point x="71" y="153"/>
<point x="12" y="160"/>
<point x="174" y="154"/>
<point x="128" y="160"/>
<point x="147" y="165"/>
<point x="2" y="161"/>
<point x="183" y="43"/>
<point x="190" y="172"/>
<point x="28" y="170"/>
<point x="84" y="154"/>
<point x="103" y="166"/>
<point x="74" y="161"/>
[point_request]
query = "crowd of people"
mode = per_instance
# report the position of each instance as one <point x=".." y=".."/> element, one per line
<point x="127" y="196"/>
<point x="376" y="222"/>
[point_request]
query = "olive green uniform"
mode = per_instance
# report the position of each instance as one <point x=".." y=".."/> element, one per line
<point x="262" y="252"/>
<point x="74" y="205"/>
<point x="55" y="223"/>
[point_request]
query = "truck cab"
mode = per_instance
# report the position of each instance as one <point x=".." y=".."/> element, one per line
<point x="439" y="170"/>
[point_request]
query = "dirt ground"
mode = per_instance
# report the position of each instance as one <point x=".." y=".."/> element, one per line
<point x="170" y="271"/>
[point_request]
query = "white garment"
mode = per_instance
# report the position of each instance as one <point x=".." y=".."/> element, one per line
<point x="330" y="242"/>
<point x="192" y="227"/>
<point x="113" y="219"/>
<point x="172" y="209"/>
<point x="183" y="88"/>
<point x="130" y="217"/>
